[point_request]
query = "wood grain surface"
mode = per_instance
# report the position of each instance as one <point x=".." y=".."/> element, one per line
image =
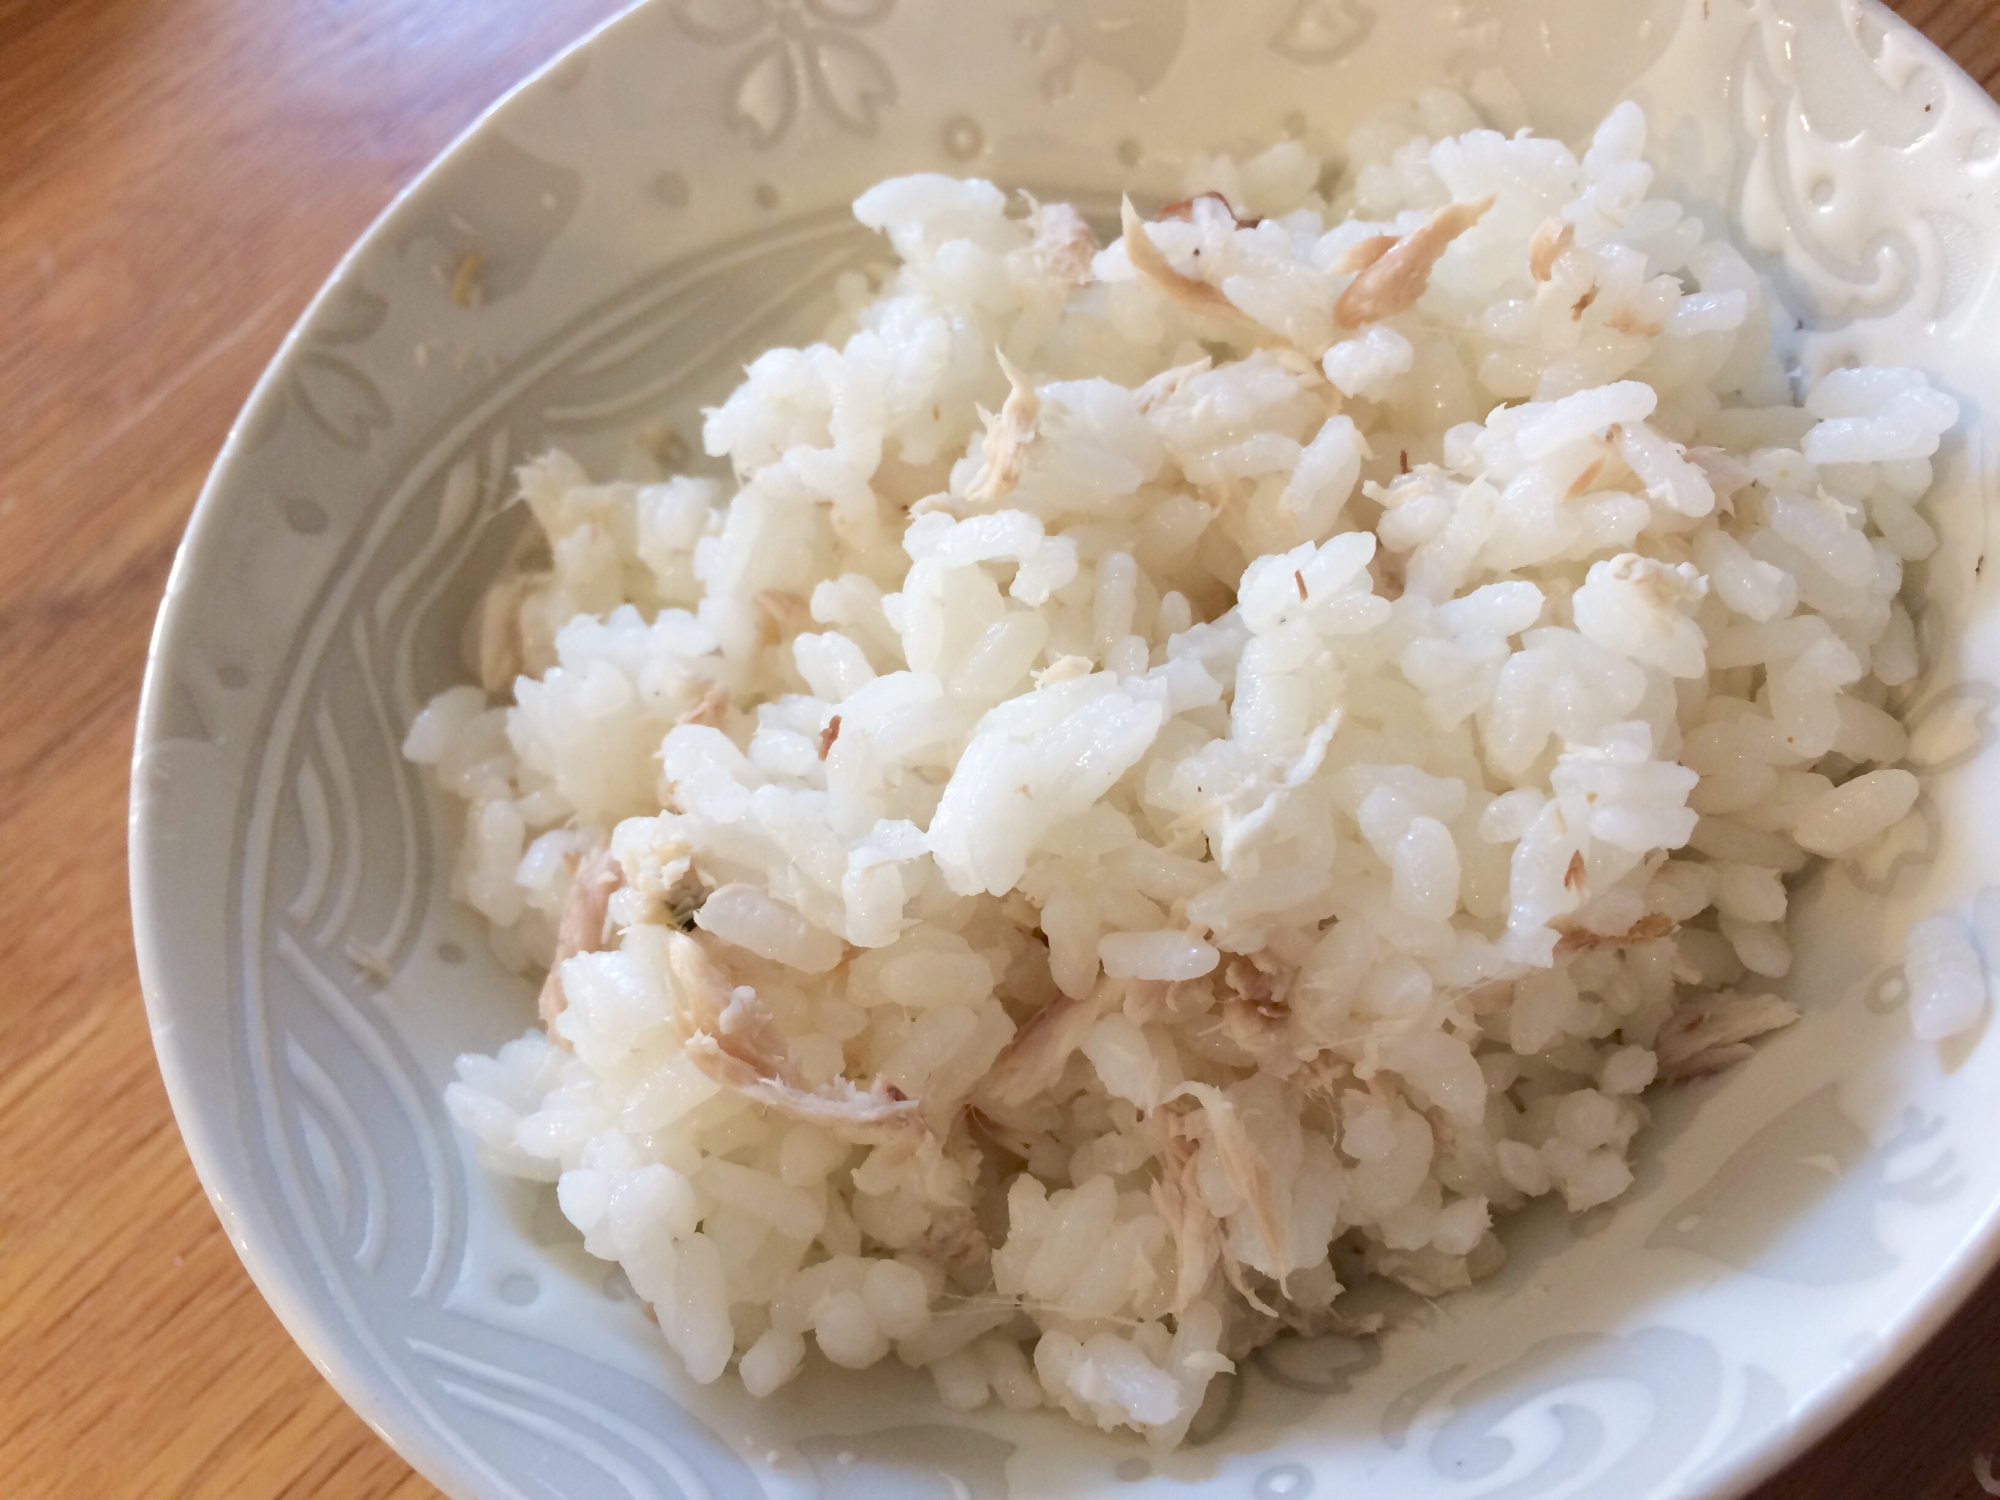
<point x="176" y="178"/>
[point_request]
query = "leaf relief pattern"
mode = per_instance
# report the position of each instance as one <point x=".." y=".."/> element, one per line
<point x="1322" y="31"/>
<point x="796" y="48"/>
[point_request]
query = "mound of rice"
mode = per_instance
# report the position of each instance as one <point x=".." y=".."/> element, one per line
<point x="1053" y="893"/>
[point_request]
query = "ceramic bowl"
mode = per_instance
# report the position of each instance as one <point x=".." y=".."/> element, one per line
<point x="648" y="211"/>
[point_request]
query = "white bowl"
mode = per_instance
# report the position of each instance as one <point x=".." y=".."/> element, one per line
<point x="664" y="200"/>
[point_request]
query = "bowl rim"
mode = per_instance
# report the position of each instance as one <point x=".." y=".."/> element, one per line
<point x="275" y="1279"/>
<point x="1977" y="1258"/>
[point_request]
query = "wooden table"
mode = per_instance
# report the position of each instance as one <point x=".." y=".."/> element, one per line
<point x="176" y="177"/>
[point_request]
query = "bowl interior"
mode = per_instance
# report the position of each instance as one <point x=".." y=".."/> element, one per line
<point x="650" y="211"/>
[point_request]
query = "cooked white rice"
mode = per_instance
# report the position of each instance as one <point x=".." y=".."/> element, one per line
<point x="1087" y="882"/>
